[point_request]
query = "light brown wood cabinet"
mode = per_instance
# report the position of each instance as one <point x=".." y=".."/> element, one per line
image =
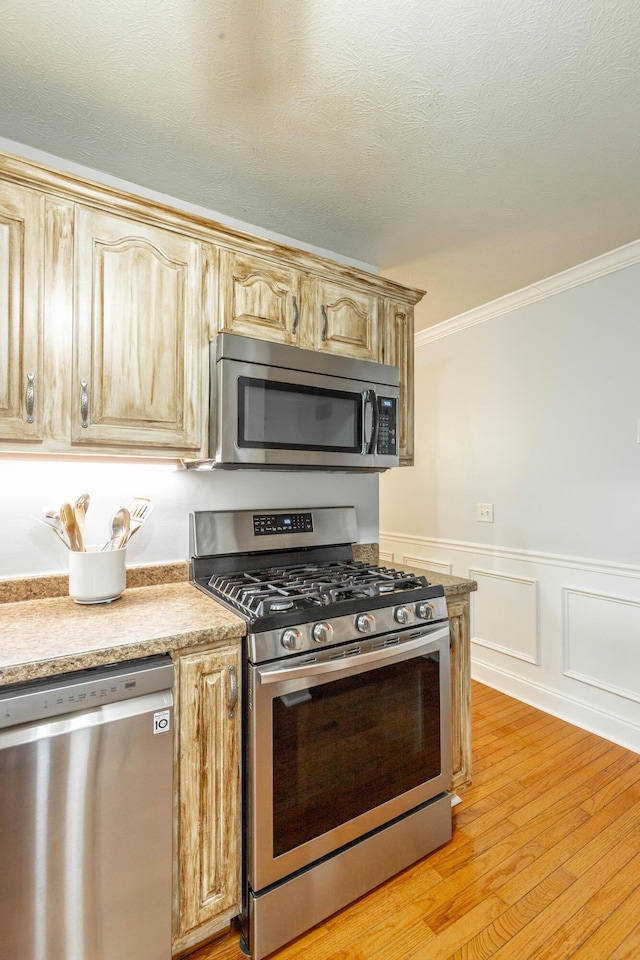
<point x="458" y="608"/>
<point x="108" y="301"/>
<point x="258" y="297"/>
<point x="345" y="320"/>
<point x="139" y="335"/>
<point x="208" y="826"/>
<point x="397" y="349"/>
<point x="21" y="252"/>
<point x="102" y="339"/>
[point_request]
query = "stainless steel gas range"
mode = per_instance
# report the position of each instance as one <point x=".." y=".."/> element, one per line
<point x="347" y="740"/>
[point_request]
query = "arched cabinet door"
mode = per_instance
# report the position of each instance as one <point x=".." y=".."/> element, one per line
<point x="345" y="320"/>
<point x="259" y="298"/>
<point x="21" y="253"/>
<point x="139" y="335"/>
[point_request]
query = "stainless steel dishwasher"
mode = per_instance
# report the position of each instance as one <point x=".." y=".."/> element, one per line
<point x="86" y="814"/>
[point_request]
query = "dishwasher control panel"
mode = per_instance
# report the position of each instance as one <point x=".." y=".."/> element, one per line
<point x="66" y="693"/>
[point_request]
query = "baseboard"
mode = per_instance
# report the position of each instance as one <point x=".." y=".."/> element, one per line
<point x="599" y="722"/>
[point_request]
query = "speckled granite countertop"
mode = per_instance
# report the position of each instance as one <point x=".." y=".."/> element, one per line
<point x="44" y="637"/>
<point x="453" y="586"/>
<point x="43" y="632"/>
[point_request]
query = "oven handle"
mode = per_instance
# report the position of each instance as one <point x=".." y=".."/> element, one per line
<point x="275" y="673"/>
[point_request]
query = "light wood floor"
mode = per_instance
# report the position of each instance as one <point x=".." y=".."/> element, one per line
<point x="544" y="862"/>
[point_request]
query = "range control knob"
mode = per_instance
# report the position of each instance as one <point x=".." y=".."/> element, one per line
<point x="291" y="639"/>
<point x="366" y="623"/>
<point x="425" y="611"/>
<point x="322" y="632"/>
<point x="403" y="614"/>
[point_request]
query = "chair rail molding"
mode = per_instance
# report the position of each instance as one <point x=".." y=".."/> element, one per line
<point x="607" y="567"/>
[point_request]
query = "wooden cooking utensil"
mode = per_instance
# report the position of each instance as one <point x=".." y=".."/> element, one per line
<point x="67" y="516"/>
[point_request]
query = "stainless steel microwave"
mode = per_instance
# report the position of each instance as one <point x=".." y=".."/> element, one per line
<point x="273" y="405"/>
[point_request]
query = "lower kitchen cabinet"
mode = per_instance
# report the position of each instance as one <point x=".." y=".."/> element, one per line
<point x="208" y="811"/>
<point x="458" y="608"/>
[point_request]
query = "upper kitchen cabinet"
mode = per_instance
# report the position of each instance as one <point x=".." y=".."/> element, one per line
<point x="139" y="335"/>
<point x="108" y="302"/>
<point x="258" y="298"/>
<point x="344" y="320"/>
<point x="397" y="349"/>
<point x="21" y="250"/>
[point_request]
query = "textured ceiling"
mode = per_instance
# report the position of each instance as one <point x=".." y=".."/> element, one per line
<point x="471" y="146"/>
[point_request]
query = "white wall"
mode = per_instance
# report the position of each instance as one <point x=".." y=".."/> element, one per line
<point x="533" y="404"/>
<point x="27" y="547"/>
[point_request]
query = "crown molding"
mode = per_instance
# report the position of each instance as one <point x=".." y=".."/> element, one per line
<point x="600" y="266"/>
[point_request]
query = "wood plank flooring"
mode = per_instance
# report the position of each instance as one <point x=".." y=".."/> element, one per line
<point x="544" y="863"/>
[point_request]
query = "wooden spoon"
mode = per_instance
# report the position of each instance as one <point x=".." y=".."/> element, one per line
<point x="71" y="528"/>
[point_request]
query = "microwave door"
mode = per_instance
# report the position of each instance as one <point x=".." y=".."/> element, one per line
<point x="281" y="417"/>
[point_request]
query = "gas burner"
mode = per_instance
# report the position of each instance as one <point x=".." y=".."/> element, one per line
<point x="280" y="589"/>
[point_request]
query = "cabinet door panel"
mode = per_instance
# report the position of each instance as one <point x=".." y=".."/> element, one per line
<point x="258" y="298"/>
<point x="209" y="792"/>
<point x="346" y="321"/>
<point x="139" y="334"/>
<point x="460" y="692"/>
<point x="21" y="254"/>
<point x="398" y="351"/>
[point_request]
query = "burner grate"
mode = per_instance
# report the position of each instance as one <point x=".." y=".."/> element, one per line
<point x="300" y="587"/>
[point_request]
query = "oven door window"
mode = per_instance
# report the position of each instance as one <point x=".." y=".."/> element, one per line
<point x="347" y="746"/>
<point x="284" y="416"/>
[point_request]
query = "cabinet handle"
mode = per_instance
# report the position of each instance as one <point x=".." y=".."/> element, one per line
<point x="30" y="399"/>
<point x="84" y="404"/>
<point x="295" y="315"/>
<point x="325" y="325"/>
<point x="233" y="688"/>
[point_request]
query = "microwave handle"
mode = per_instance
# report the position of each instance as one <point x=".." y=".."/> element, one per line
<point x="369" y="445"/>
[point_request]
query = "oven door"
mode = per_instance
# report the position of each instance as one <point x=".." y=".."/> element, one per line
<point x="264" y="415"/>
<point x="341" y="743"/>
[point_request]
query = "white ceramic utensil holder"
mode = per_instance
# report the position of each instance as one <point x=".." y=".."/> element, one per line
<point x="97" y="575"/>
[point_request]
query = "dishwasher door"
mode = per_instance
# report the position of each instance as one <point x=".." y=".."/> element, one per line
<point x="86" y="815"/>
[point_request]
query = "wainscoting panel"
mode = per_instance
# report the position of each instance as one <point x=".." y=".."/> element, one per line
<point x="505" y="614"/>
<point x="558" y="632"/>
<point x="385" y="556"/>
<point x="602" y="641"/>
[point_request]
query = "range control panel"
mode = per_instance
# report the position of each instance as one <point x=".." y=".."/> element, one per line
<point x="270" y="523"/>
<point x="387" y="425"/>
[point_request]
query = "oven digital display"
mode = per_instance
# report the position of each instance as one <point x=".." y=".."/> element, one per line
<point x="270" y="523"/>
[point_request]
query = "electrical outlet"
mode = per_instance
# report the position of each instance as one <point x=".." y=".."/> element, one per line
<point x="485" y="512"/>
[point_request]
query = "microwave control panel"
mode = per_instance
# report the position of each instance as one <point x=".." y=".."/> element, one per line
<point x="270" y="523"/>
<point x="387" y="425"/>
